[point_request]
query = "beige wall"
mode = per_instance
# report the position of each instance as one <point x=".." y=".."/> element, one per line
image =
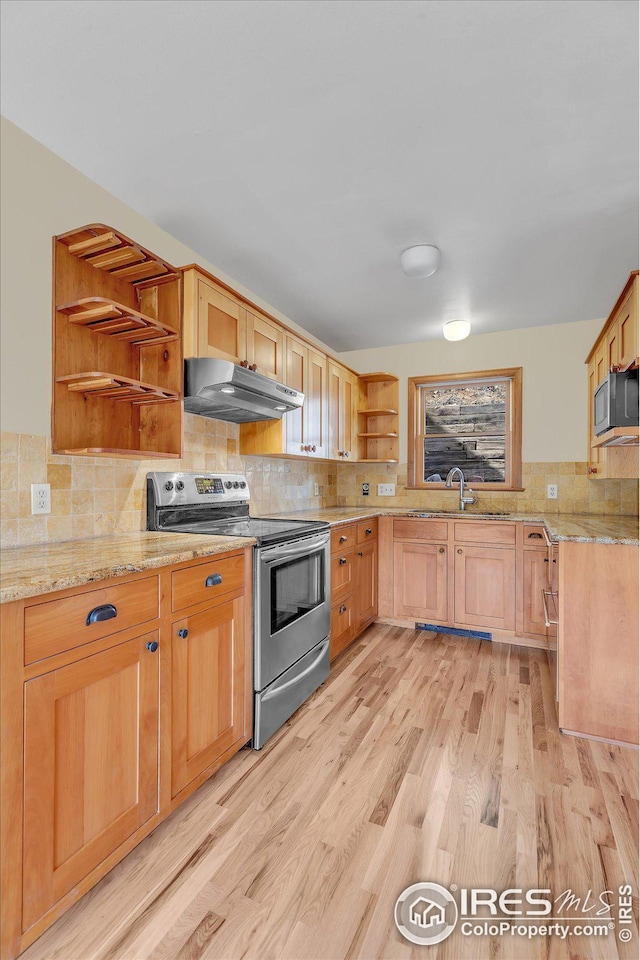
<point x="43" y="196"/>
<point x="554" y="401"/>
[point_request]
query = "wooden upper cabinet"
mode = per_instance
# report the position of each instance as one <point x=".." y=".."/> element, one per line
<point x="297" y="378"/>
<point x="207" y="688"/>
<point x="222" y="325"/>
<point x="485" y="587"/>
<point x="595" y="455"/>
<point x="627" y="328"/>
<point x="265" y="346"/>
<point x="315" y="404"/>
<point x="90" y="766"/>
<point x="342" y="411"/>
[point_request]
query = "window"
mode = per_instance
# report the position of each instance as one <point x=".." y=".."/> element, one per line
<point x="467" y="420"/>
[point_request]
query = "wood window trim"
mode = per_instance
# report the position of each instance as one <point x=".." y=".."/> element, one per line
<point x="514" y="435"/>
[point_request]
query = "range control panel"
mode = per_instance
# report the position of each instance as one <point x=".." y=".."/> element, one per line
<point x="185" y="488"/>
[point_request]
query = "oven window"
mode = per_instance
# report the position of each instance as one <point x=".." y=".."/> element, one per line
<point x="296" y="588"/>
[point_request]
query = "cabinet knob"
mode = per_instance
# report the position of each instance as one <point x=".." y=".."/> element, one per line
<point x="546" y="559"/>
<point x="152" y="646"/>
<point x="343" y="560"/>
<point x="441" y="550"/>
<point x="343" y="609"/>
<point x="459" y="551"/>
<point x="313" y="448"/>
<point x="368" y="531"/>
<point x="347" y="453"/>
<point x="253" y="367"/>
<point x="343" y="539"/>
<point x="184" y="633"/>
<point x="360" y="554"/>
<point x="593" y="469"/>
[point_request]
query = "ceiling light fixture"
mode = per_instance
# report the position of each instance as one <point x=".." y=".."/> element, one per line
<point x="420" y="261"/>
<point x="456" y="330"/>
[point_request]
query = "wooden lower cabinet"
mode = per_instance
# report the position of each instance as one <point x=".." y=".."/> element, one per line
<point x="90" y="766"/>
<point x="485" y="587"/>
<point x="207" y="693"/>
<point x="420" y="580"/>
<point x="101" y="741"/>
<point x="535" y="579"/>
<point x="354" y="583"/>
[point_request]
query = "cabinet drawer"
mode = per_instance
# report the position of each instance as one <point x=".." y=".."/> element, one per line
<point x="207" y="581"/>
<point x="59" y="625"/>
<point x="484" y="531"/>
<point x="342" y="575"/>
<point x="420" y="529"/>
<point x="343" y="538"/>
<point x="367" y="530"/>
<point x="342" y="623"/>
<point x="534" y="535"/>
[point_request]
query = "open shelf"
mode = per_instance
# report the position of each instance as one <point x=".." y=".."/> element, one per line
<point x="377" y="378"/>
<point x="108" y="386"/>
<point x="382" y="412"/>
<point x="108" y="249"/>
<point x="618" y="437"/>
<point x="101" y="315"/>
<point x="378" y="436"/>
<point x="115" y="452"/>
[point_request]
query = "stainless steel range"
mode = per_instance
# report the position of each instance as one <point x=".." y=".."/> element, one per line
<point x="291" y="613"/>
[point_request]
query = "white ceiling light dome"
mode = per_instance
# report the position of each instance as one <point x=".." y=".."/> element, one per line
<point x="420" y="261"/>
<point x="456" y="330"/>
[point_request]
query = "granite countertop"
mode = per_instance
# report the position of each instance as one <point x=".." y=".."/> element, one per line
<point x="46" y="567"/>
<point x="560" y="526"/>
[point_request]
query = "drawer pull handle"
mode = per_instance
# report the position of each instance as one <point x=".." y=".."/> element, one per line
<point x="106" y="612"/>
<point x="152" y="646"/>
<point x="213" y="580"/>
<point x="534" y="536"/>
<point x="343" y="560"/>
<point x="368" y="531"/>
<point x="183" y="632"/>
<point x="343" y="539"/>
<point x="343" y="609"/>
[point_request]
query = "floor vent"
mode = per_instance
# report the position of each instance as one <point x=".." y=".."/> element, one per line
<point x="456" y="631"/>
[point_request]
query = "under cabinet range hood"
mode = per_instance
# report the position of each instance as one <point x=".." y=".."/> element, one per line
<point x="223" y="390"/>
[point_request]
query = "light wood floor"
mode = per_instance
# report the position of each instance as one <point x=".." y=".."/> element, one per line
<point x="422" y="757"/>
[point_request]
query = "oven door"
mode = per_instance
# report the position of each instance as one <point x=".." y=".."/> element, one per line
<point x="292" y="611"/>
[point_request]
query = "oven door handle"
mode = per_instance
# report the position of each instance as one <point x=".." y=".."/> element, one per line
<point x="307" y="670"/>
<point x="300" y="549"/>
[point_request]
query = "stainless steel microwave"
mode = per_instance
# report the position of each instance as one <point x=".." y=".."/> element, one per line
<point x="615" y="402"/>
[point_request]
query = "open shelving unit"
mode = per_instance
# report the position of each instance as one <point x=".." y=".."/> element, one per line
<point x="117" y="394"/>
<point x="378" y="418"/>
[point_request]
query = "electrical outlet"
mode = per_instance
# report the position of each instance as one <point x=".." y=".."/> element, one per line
<point x="552" y="491"/>
<point x="316" y="489"/>
<point x="386" y="489"/>
<point x="40" y="498"/>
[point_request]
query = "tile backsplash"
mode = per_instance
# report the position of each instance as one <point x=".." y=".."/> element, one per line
<point x="576" y="493"/>
<point x="93" y="497"/>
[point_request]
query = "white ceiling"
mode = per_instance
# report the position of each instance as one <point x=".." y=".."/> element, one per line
<point x="300" y="146"/>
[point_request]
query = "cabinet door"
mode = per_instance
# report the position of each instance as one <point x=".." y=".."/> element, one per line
<point x="612" y="346"/>
<point x="207" y="688"/>
<point x="297" y="377"/>
<point x="90" y="766"/>
<point x="534" y="581"/>
<point x="595" y="455"/>
<point x="420" y="581"/>
<point x="627" y="324"/>
<point x="342" y="626"/>
<point x="366" y="585"/>
<point x="342" y="412"/>
<point x="265" y="346"/>
<point x="485" y="587"/>
<point x="222" y="325"/>
<point x="315" y="404"/>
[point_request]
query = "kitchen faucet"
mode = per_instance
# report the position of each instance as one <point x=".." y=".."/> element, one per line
<point x="449" y="483"/>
